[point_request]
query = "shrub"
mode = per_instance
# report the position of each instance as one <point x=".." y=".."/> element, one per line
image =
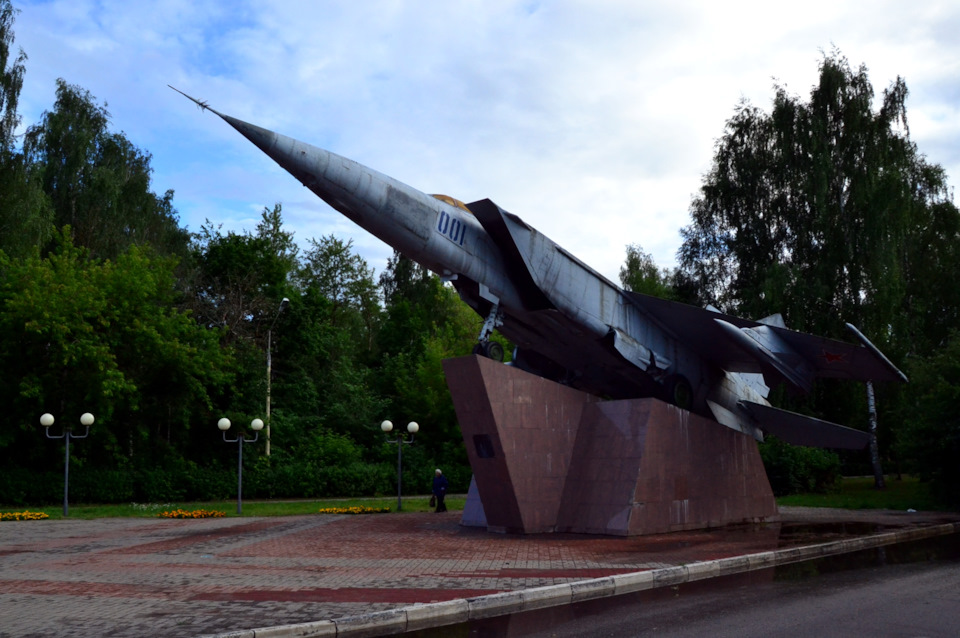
<point x="793" y="469"/>
<point x="930" y="437"/>
<point x="208" y="484"/>
<point x="102" y="486"/>
<point x="283" y="479"/>
<point x="276" y="478"/>
<point x="158" y="485"/>
<point x="22" y="487"/>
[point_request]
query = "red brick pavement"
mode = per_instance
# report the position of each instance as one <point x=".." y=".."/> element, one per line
<point x="136" y="577"/>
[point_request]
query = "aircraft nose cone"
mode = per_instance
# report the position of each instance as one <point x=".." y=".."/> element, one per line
<point x="263" y="138"/>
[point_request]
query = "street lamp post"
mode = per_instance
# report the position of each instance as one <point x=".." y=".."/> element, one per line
<point x="46" y="420"/>
<point x="224" y="425"/>
<point x="412" y="428"/>
<point x="283" y="304"/>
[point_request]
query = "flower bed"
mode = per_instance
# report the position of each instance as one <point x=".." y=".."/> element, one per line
<point x="22" y="516"/>
<point x="192" y="514"/>
<point x="354" y="510"/>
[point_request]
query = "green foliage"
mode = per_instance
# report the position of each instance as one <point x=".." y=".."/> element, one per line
<point x="193" y="483"/>
<point x="285" y="479"/>
<point x="108" y="306"/>
<point x="424" y="322"/>
<point x="102" y="486"/>
<point x="640" y="273"/>
<point x="326" y="449"/>
<point x="11" y="76"/>
<point x="331" y="271"/>
<point x="325" y="347"/>
<point x="930" y="439"/>
<point x="84" y="335"/>
<point x="415" y="305"/>
<point x="298" y="507"/>
<point x="793" y="469"/>
<point x="160" y="486"/>
<point x="99" y="182"/>
<point x="825" y="211"/>
<point x="22" y="486"/>
<point x="240" y="278"/>
<point x="859" y="492"/>
<point x="26" y="215"/>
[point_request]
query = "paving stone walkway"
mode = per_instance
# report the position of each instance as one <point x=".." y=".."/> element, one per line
<point x="139" y="577"/>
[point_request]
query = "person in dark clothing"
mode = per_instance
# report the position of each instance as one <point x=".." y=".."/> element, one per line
<point x="440" y="489"/>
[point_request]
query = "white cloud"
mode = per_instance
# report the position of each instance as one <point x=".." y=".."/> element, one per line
<point x="594" y="121"/>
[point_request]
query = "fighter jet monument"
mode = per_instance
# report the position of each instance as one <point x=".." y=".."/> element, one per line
<point x="619" y="413"/>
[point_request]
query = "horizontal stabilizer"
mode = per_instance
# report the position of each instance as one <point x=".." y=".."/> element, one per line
<point x="805" y="430"/>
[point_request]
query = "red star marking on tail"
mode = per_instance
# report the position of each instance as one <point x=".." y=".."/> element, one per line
<point x="834" y="357"/>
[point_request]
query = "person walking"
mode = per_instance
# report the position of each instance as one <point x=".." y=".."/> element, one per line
<point x="440" y="489"/>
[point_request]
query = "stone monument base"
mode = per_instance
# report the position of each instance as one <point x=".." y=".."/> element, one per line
<point x="549" y="458"/>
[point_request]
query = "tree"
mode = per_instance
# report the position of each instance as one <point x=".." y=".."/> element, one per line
<point x="79" y="334"/>
<point x="98" y="181"/>
<point x="332" y="270"/>
<point x="817" y="211"/>
<point x="26" y="216"/>
<point x="424" y="322"/>
<point x="827" y="212"/>
<point x="414" y="307"/>
<point x="420" y="386"/>
<point x="239" y="279"/>
<point x="931" y="437"/>
<point x="328" y="347"/>
<point x="640" y="274"/>
<point x="11" y="76"/>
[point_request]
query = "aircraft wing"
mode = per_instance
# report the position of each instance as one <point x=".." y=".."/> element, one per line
<point x="491" y="217"/>
<point x="798" y="429"/>
<point x="741" y="345"/>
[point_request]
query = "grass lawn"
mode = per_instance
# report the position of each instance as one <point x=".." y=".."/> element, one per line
<point x="854" y="493"/>
<point x="857" y="493"/>
<point x="250" y="508"/>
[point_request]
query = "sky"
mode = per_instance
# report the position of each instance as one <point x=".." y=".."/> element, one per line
<point x="593" y="120"/>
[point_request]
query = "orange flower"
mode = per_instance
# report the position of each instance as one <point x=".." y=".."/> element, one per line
<point x="353" y="510"/>
<point x="180" y="513"/>
<point x="22" y="516"/>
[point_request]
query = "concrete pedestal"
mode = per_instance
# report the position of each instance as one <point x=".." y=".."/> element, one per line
<point x="548" y="458"/>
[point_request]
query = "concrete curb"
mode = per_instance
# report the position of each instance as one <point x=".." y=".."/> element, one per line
<point x="423" y="616"/>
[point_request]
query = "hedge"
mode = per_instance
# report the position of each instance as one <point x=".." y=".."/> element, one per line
<point x="264" y="480"/>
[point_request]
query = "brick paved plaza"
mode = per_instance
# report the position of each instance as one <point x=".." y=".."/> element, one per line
<point x="137" y="577"/>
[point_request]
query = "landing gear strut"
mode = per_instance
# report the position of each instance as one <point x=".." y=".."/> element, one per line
<point x="485" y="347"/>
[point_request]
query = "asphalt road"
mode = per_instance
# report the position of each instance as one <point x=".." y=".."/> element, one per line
<point x="881" y="600"/>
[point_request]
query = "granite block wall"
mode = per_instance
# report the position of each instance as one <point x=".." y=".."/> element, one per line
<point x="547" y="458"/>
